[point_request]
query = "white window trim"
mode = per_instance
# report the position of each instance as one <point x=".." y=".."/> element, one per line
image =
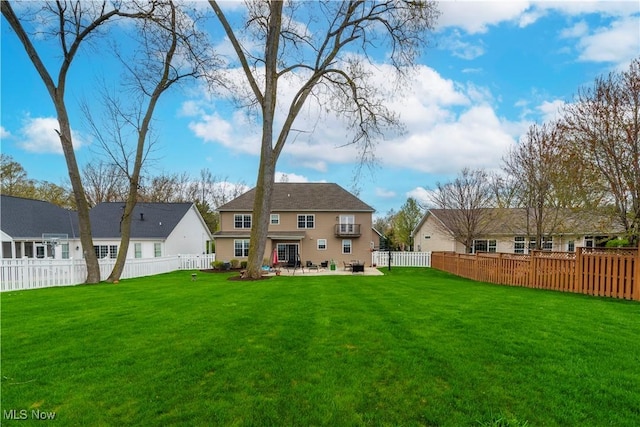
<point x="318" y="244"/>
<point x="242" y="220"/>
<point x="245" y="248"/>
<point x="306" y="220"/>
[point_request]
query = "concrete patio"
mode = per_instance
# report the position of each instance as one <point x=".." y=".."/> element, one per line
<point x="368" y="271"/>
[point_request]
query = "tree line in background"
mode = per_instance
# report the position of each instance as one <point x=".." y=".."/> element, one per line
<point x="104" y="182"/>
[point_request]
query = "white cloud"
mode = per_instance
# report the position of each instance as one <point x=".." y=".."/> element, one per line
<point x="579" y="7"/>
<point x="385" y="193"/>
<point x="290" y="177"/>
<point x="4" y="133"/>
<point x="449" y="125"/>
<point x="551" y="110"/>
<point x="235" y="134"/>
<point x="579" y="29"/>
<point x="476" y="16"/>
<point x="460" y="48"/>
<point x="39" y="135"/>
<point x="421" y="195"/>
<point x="476" y="138"/>
<point x="190" y="108"/>
<point x="617" y="43"/>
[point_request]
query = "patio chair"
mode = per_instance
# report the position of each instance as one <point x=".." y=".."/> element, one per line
<point x="312" y="266"/>
<point x="347" y="266"/>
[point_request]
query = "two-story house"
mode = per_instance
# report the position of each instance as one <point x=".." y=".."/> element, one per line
<point x="308" y="222"/>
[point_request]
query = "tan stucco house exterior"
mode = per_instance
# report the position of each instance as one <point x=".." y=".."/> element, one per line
<point x="314" y="222"/>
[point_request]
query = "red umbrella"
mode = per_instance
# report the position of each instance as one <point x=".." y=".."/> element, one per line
<point x="275" y="257"/>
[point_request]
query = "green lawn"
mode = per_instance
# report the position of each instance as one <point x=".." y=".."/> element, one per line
<point x="413" y="347"/>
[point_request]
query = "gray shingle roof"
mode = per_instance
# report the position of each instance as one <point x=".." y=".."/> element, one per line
<point x="316" y="197"/>
<point x="157" y="221"/>
<point x="24" y="218"/>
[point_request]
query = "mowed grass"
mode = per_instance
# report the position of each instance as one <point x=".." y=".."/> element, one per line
<point x="413" y="347"/>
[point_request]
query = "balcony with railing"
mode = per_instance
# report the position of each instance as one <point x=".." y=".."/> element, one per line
<point x="347" y="230"/>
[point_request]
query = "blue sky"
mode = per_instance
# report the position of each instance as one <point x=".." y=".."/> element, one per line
<point x="493" y="69"/>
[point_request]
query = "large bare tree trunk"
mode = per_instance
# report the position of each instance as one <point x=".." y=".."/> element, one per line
<point x="57" y="96"/>
<point x="82" y="206"/>
<point x="268" y="156"/>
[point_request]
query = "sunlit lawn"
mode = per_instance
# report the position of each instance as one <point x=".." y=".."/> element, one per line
<point x="413" y="347"/>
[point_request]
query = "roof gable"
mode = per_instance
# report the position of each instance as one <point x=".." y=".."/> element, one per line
<point x="318" y="197"/>
<point x="148" y="220"/>
<point x="28" y="218"/>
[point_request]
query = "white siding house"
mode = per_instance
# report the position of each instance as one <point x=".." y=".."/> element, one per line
<point x="157" y="229"/>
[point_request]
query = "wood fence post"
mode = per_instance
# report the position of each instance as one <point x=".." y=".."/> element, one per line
<point x="532" y="269"/>
<point x="636" y="276"/>
<point x="578" y="281"/>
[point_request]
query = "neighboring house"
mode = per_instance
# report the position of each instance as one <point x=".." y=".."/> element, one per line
<point x="37" y="229"/>
<point x="29" y="229"/>
<point x="157" y="229"/>
<point x="507" y="232"/>
<point x="314" y="222"/>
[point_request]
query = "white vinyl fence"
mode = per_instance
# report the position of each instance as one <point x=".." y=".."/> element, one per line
<point x="401" y="259"/>
<point x="33" y="273"/>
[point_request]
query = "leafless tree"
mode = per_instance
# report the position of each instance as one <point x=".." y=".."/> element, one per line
<point x="545" y="189"/>
<point x="166" y="188"/>
<point x="467" y="201"/>
<point x="604" y="126"/>
<point x="171" y="50"/>
<point x="503" y="188"/>
<point x="70" y="24"/>
<point x="321" y="48"/>
<point x="104" y="182"/>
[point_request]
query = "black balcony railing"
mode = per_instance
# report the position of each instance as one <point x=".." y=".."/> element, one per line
<point x="347" y="230"/>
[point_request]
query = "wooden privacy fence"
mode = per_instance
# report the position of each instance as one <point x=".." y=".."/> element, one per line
<point x="33" y="273"/>
<point x="594" y="271"/>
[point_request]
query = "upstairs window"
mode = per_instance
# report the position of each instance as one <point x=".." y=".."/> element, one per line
<point x="306" y="221"/>
<point x="242" y="221"/>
